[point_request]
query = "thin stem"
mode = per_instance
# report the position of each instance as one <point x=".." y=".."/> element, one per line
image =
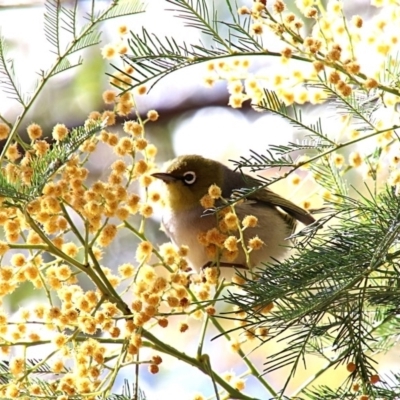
<point x="296" y="166"/>
<point x="142" y="237"/>
<point x="72" y="225"/>
<point x="333" y="362"/>
<point x="163" y="347"/>
<point x="45" y="77"/>
<point x="202" y="335"/>
<point x="257" y="374"/>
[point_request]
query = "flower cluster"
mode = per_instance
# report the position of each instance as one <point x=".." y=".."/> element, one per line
<point x="62" y="233"/>
<point x="231" y="239"/>
<point x="343" y="57"/>
<point x="333" y="53"/>
<point x="59" y="232"/>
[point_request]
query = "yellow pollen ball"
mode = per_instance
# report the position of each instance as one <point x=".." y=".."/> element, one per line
<point x="109" y="96"/>
<point x="4" y="131"/>
<point x="239" y="384"/>
<point x="13" y="153"/>
<point x="144" y="251"/>
<point x="70" y="249"/>
<point x="394" y="178"/>
<point x="231" y="243"/>
<point x="3" y="248"/>
<point x="123" y="29"/>
<point x="59" y="340"/>
<point x="295" y="180"/>
<point x="142" y="90"/>
<point x="60" y="131"/>
<point x="109" y="117"/>
<point x="338" y="160"/>
<point x="257" y="28"/>
<point x="146" y="210"/>
<point x="207" y="201"/>
<point x="140" y="144"/>
<point x="355" y="159"/>
<point x="250" y="221"/>
<point x="108" y="52"/>
<point x="140" y="167"/>
<point x="126" y="270"/>
<point x="152" y="115"/>
<point x="231" y="220"/>
<point x="107" y="235"/>
<point x="34" y="131"/>
<point x="40" y="147"/>
<point x="214" y="191"/>
<point x="255" y="243"/>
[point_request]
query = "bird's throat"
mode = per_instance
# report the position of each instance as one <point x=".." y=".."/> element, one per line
<point x="180" y="198"/>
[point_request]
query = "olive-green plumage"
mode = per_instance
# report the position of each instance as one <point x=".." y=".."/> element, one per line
<point x="187" y="180"/>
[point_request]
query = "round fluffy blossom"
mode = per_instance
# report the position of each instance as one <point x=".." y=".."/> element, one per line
<point x="144" y="250"/>
<point x="34" y="131"/>
<point x="60" y="131"/>
<point x="152" y="115"/>
<point x="108" y="51"/>
<point x="4" y="131"/>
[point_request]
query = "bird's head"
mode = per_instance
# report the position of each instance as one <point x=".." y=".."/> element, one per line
<point x="187" y="180"/>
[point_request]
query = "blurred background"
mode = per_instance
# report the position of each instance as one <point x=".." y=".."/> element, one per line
<point x="193" y="119"/>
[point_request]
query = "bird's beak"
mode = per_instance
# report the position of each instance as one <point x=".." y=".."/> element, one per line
<point x="165" y="177"/>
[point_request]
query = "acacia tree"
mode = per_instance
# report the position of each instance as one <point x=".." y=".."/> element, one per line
<point x="336" y="296"/>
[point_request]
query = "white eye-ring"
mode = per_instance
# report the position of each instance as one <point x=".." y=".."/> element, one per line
<point x="189" y="178"/>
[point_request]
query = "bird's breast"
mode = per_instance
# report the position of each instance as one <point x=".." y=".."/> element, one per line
<point x="184" y="227"/>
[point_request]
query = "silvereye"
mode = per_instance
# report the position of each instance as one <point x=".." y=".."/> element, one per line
<point x="188" y="179"/>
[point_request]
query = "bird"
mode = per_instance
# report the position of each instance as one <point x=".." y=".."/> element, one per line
<point x="188" y="178"/>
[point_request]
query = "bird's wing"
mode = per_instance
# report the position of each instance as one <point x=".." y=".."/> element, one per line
<point x="274" y="199"/>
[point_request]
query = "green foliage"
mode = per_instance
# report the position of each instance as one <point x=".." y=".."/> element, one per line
<point x="59" y="18"/>
<point x="8" y="81"/>
<point x="46" y="166"/>
<point x="154" y="58"/>
<point x="337" y="295"/>
<point x="68" y="38"/>
<point x="129" y="392"/>
<point x="336" y="291"/>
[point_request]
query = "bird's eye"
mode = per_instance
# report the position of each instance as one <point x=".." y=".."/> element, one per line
<point x="189" y="178"/>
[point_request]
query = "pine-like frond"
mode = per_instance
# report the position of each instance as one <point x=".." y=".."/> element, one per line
<point x="360" y="105"/>
<point x="327" y="393"/>
<point x="122" y="8"/>
<point x="391" y="70"/>
<point x="46" y="166"/>
<point x="5" y="374"/>
<point x="65" y="65"/>
<point x="197" y="14"/>
<point x="273" y="157"/>
<point x="8" y="80"/>
<point x="88" y="37"/>
<point x="38" y="366"/>
<point x="388" y="388"/>
<point x="153" y="58"/>
<point x="52" y="24"/>
<point x="293" y="115"/>
<point x="15" y="190"/>
<point x="329" y="176"/>
<point x="129" y="392"/>
<point x="279" y="156"/>
<point x="326" y="294"/>
<point x="69" y="19"/>
<point x="239" y="37"/>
